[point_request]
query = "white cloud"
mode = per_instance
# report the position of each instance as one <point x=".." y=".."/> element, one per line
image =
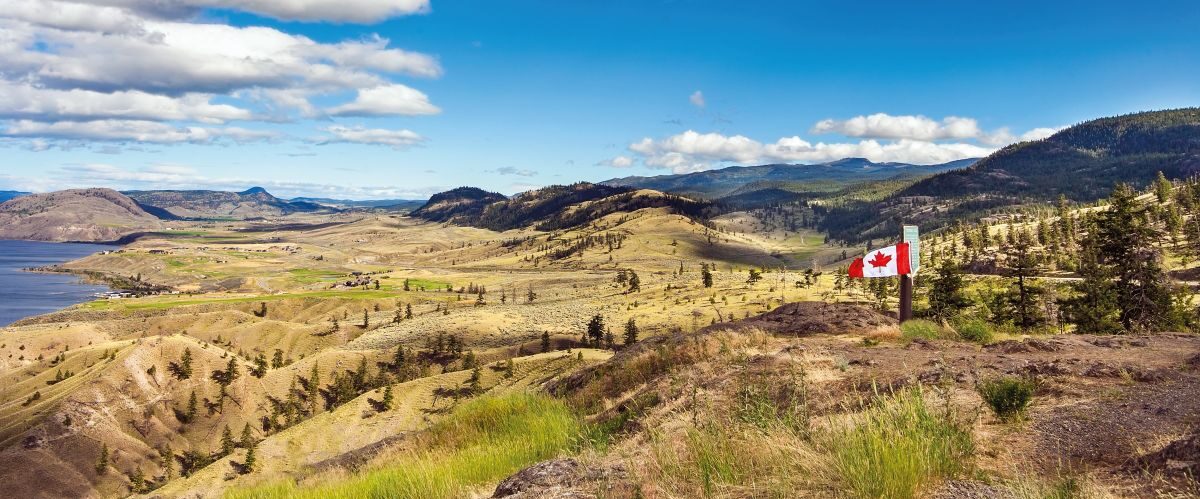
<point x="396" y="139"/>
<point x="394" y="99"/>
<point x="617" y="162"/>
<point x="357" y="11"/>
<point x="151" y="70"/>
<point x="692" y="151"/>
<point x="885" y="126"/>
<point x="28" y="102"/>
<point x="1039" y="133"/>
<point x="512" y="170"/>
<point x="697" y="99"/>
<point x="132" y="131"/>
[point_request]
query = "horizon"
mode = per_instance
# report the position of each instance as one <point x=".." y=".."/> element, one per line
<point x="387" y="100"/>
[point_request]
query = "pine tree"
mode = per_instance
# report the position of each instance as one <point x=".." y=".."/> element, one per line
<point x="635" y="283"/>
<point x="366" y="319"/>
<point x="408" y="311"/>
<point x="509" y="368"/>
<point x="1162" y="188"/>
<point x="247" y="439"/>
<point x="137" y="481"/>
<point x="754" y="276"/>
<point x="1127" y="243"/>
<point x="947" y="291"/>
<point x="631" y="332"/>
<point x="227" y="443"/>
<point x="1025" y="296"/>
<point x="545" y="341"/>
<point x="249" y="463"/>
<point x="102" y="462"/>
<point x="190" y="413"/>
<point x="277" y="359"/>
<point x="706" y="276"/>
<point x="473" y="383"/>
<point x="313" y="394"/>
<point x="388" y="398"/>
<point x="595" y="330"/>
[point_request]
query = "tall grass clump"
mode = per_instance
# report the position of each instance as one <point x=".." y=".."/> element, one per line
<point x="976" y="330"/>
<point x="920" y="328"/>
<point x="899" y="448"/>
<point x="482" y="441"/>
<point x="1008" y="396"/>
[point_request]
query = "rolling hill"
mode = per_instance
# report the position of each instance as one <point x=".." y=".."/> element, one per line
<point x="200" y="204"/>
<point x="549" y="208"/>
<point x="92" y="215"/>
<point x="1081" y="163"/>
<point x="824" y="177"/>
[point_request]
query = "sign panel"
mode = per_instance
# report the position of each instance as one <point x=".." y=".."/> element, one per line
<point x="912" y="236"/>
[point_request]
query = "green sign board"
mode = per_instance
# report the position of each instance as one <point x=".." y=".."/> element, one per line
<point x="912" y="236"/>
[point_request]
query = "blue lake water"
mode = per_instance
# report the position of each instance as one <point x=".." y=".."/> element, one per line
<point x="24" y="294"/>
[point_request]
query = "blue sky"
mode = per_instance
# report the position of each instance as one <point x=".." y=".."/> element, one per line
<point x="402" y="98"/>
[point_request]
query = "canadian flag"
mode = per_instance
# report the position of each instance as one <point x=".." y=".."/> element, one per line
<point x="883" y="262"/>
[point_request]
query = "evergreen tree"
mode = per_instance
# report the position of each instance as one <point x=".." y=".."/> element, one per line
<point x="1162" y="188"/>
<point x="1024" y="298"/>
<point x="190" y="413"/>
<point x="706" y="276"/>
<point x="509" y="368"/>
<point x="408" y="311"/>
<point x="631" y="332"/>
<point x="473" y="383"/>
<point x="545" y="341"/>
<point x="947" y="293"/>
<point x="137" y="481"/>
<point x="250" y="461"/>
<point x="754" y="276"/>
<point x="366" y="319"/>
<point x="1127" y="244"/>
<point x="595" y="330"/>
<point x="388" y="398"/>
<point x="227" y="443"/>
<point x="277" y="359"/>
<point x="635" y="283"/>
<point x="102" y="462"/>
<point x="247" y="439"/>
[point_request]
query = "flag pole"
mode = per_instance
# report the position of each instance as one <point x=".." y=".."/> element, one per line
<point x="906" y="288"/>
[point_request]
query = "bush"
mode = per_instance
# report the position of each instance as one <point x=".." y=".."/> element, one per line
<point x="1008" y="396"/>
<point x="920" y="328"/>
<point x="976" y="330"/>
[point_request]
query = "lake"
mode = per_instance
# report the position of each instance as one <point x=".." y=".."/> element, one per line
<point x="25" y="294"/>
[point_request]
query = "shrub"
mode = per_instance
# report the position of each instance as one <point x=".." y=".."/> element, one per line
<point x="976" y="330"/>
<point x="920" y="328"/>
<point x="1008" y="396"/>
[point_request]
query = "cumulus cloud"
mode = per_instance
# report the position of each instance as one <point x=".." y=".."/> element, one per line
<point x="692" y="151"/>
<point x="617" y="162"/>
<point x="385" y="100"/>
<point x="396" y="139"/>
<point x="132" y="131"/>
<point x="885" y="126"/>
<point x="109" y="69"/>
<point x="697" y="99"/>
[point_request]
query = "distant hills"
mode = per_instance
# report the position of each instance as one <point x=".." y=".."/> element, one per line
<point x="199" y="204"/>
<point x="388" y="204"/>
<point x="1081" y="162"/>
<point x="73" y="215"/>
<point x="549" y="208"/>
<point x="818" y="178"/>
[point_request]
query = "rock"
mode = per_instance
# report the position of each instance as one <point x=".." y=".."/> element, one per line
<point x="31" y="442"/>
<point x="543" y="475"/>
<point x="1180" y="458"/>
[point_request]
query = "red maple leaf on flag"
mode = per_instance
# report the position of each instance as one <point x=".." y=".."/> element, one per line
<point x="880" y="260"/>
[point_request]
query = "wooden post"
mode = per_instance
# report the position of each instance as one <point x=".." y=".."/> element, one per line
<point x="906" y="284"/>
